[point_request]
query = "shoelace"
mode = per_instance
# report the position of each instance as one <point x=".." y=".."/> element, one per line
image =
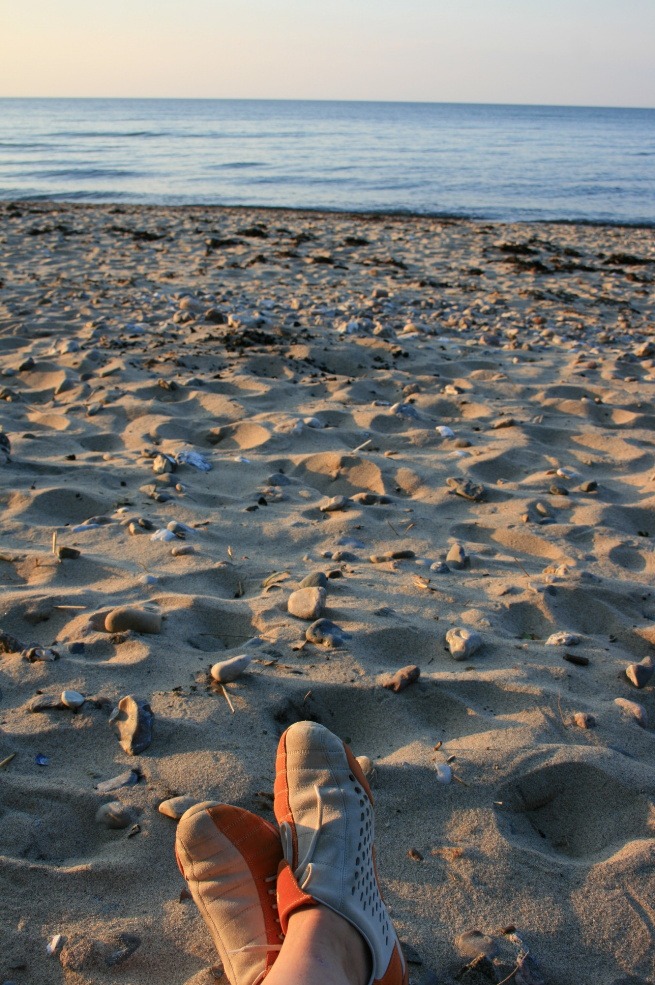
<point x="263" y="947"/>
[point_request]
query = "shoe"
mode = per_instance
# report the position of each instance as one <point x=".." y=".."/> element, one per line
<point x="229" y="858"/>
<point x="324" y="807"/>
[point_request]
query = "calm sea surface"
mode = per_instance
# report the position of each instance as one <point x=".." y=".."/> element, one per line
<point x="489" y="162"/>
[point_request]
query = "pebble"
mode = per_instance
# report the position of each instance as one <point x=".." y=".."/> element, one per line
<point x="126" y="617"/>
<point x="584" y="720"/>
<point x="114" y="815"/>
<point x="229" y="670"/>
<point x="133" y="718"/>
<point x="445" y="431"/>
<point x="640" y="674"/>
<point x="54" y="946"/>
<point x="457" y="557"/>
<point x="440" y="567"/>
<point x="474" y="491"/>
<point x="175" y="807"/>
<point x="368" y="769"/>
<point x="315" y="580"/>
<point x="402" y="678"/>
<point x="561" y="638"/>
<point x="463" y="643"/>
<point x="333" y="504"/>
<point x="163" y="534"/>
<point x="182" y="550"/>
<point x="163" y="463"/>
<point x="72" y="699"/>
<point x="590" y="486"/>
<point x="68" y="553"/>
<point x="556" y="490"/>
<point x="632" y="709"/>
<point x="326" y="633"/>
<point x="307" y="603"/>
<point x="568" y="473"/>
<point x="405" y="410"/>
<point x="444" y="772"/>
<point x="128" y="779"/>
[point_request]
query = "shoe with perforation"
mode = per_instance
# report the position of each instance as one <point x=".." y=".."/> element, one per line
<point x="230" y="858"/>
<point x="324" y="807"/>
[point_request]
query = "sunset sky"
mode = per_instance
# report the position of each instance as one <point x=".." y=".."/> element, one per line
<point x="572" y="52"/>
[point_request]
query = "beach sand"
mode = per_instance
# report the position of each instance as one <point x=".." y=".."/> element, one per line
<point x="307" y="356"/>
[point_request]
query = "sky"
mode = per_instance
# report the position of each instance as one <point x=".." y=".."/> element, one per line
<point x="556" y="52"/>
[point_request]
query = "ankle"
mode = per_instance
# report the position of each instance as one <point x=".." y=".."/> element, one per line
<point x="331" y="934"/>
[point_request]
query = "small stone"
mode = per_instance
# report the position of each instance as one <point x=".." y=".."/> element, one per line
<point x="114" y="815"/>
<point x="128" y="779"/>
<point x="440" y="568"/>
<point x="457" y="557"/>
<point x="468" y="490"/>
<point x="584" y="720"/>
<point x="556" y="490"/>
<point x="542" y="509"/>
<point x="445" y="431"/>
<point x="444" y="773"/>
<point x="53" y="948"/>
<point x="401" y="555"/>
<point x="463" y="643"/>
<point x="133" y="718"/>
<point x="175" y="807"/>
<point x="590" y="486"/>
<point x="326" y="633"/>
<point x="315" y="580"/>
<point x="577" y="659"/>
<point x="183" y="550"/>
<point x="402" y="678"/>
<point x="632" y="709"/>
<point x="126" y="617"/>
<point x="562" y="638"/>
<point x="68" y="553"/>
<point x="368" y="769"/>
<point x="415" y="855"/>
<point x="307" y="603"/>
<point x="229" y="670"/>
<point x="333" y="504"/>
<point x="46" y="702"/>
<point x="640" y="674"/>
<point x="163" y="463"/>
<point x="72" y="699"/>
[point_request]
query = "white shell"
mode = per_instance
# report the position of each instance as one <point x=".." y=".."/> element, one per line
<point x="444" y="772"/>
<point x="445" y="431"/>
<point x="229" y="670"/>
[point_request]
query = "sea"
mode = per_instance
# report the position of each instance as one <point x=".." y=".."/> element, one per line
<point x="485" y="162"/>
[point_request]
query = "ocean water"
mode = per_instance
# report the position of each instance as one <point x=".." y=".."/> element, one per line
<point x="506" y="163"/>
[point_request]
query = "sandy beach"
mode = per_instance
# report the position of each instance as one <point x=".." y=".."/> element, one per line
<point x="453" y="423"/>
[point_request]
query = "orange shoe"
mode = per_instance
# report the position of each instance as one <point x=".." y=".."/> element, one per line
<point x="229" y="858"/>
<point x="324" y="807"/>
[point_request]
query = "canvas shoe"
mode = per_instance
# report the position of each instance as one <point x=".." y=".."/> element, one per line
<point x="229" y="858"/>
<point x="324" y="807"/>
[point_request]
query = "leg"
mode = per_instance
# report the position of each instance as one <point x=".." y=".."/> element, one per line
<point x="321" y="948"/>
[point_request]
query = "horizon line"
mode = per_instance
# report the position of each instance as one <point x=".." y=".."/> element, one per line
<point x="287" y="99"/>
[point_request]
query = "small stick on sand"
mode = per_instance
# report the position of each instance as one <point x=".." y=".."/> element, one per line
<point x="227" y="697"/>
<point x="559" y="708"/>
<point x="54" y="542"/>
<point x="7" y="760"/>
<point x="393" y="528"/>
<point x="360" y="447"/>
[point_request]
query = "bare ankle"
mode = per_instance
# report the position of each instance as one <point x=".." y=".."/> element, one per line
<point x="333" y="936"/>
